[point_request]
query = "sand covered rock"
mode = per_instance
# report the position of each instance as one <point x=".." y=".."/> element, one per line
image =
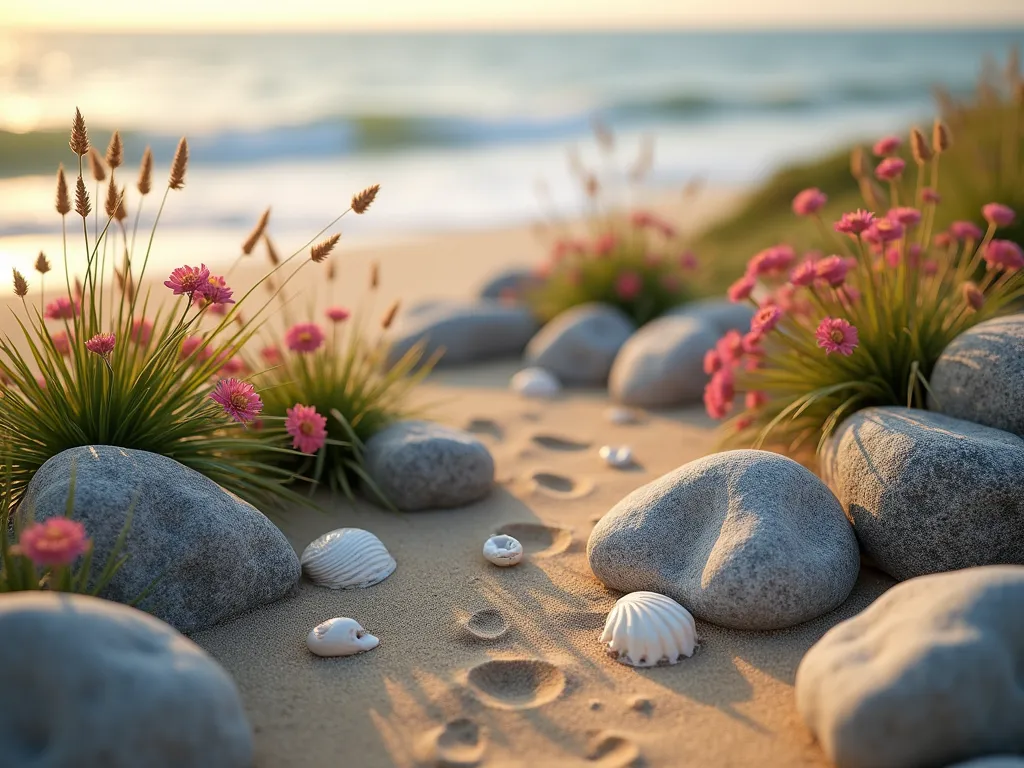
<point x="744" y="539"/>
<point x="580" y="344"/>
<point x="927" y="492"/>
<point x="980" y="375"/>
<point x="662" y="364"/>
<point x="511" y="283"/>
<point x="91" y="683"/>
<point x="421" y="465"/>
<point x="217" y="556"/>
<point x="928" y="675"/>
<point x="468" y="332"/>
<point x="720" y="314"/>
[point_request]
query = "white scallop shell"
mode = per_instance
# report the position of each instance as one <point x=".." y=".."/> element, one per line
<point x="535" y="382"/>
<point x="340" y="637"/>
<point x="347" y="558"/>
<point x="645" y="629"/>
<point x="503" y="550"/>
<point x="618" y="456"/>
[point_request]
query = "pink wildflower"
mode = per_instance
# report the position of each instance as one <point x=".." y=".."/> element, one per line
<point x="605" y="244"/>
<point x="101" y="344"/>
<point x="688" y="260"/>
<point x="832" y="270"/>
<point x="943" y="240"/>
<point x="307" y="428"/>
<point x="854" y="223"/>
<point x="57" y="541"/>
<point x="771" y="261"/>
<point x="741" y="289"/>
<point x="189" y="345"/>
<point x="216" y="291"/>
<point x="965" y="230"/>
<point x="930" y="195"/>
<point x="62" y="343"/>
<point x="231" y="366"/>
<point x="238" y="398"/>
<point x="712" y="362"/>
<point x="765" y="319"/>
<point x="743" y="422"/>
<point x="337" y="314"/>
<point x="973" y="296"/>
<point x="304" y="337"/>
<point x="730" y="347"/>
<point x="271" y="355"/>
<point x="755" y="399"/>
<point x="884" y="231"/>
<point x="142" y="330"/>
<point x="1004" y="254"/>
<point x="886" y="146"/>
<point x="930" y="267"/>
<point x="628" y="285"/>
<point x="62" y="308"/>
<point x="809" y="202"/>
<point x="187" y="280"/>
<point x="892" y="256"/>
<point x="719" y="394"/>
<point x="998" y="215"/>
<point x="751" y="343"/>
<point x="836" y="335"/>
<point x="908" y="217"/>
<point x="890" y="169"/>
<point x="803" y="274"/>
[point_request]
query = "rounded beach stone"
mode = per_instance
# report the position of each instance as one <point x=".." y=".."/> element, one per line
<point x="216" y="555"/>
<point x="467" y="332"/>
<point x="421" y="465"/>
<point x="980" y="375"/>
<point x="928" y="675"/>
<point x="994" y="761"/>
<point x="514" y="281"/>
<point x="662" y="364"/>
<point x="93" y="683"/>
<point x="720" y="314"/>
<point x="927" y="492"/>
<point x="580" y="344"/>
<point x="744" y="539"/>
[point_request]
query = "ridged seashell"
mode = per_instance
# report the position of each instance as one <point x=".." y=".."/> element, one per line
<point x="536" y="382"/>
<point x="503" y="550"/>
<point x="645" y="629"/>
<point x="340" y="637"/>
<point x="617" y="456"/>
<point x="347" y="558"/>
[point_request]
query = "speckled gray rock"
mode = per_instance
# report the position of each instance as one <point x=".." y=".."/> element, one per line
<point x="580" y="344"/>
<point x="744" y="539"/>
<point x="420" y="465"/>
<point x="91" y="683"/>
<point x="720" y="314"/>
<point x="468" y="332"/>
<point x="928" y="675"/>
<point x="980" y="375"/>
<point x="927" y="492"/>
<point x="662" y="364"/>
<point x="217" y="556"/>
<point x="515" y="281"/>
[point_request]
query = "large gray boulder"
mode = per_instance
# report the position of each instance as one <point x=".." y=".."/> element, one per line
<point x="980" y="375"/>
<point x="744" y="539"/>
<point x="512" y="282"/>
<point x="92" y="683"/>
<point x="928" y="675"/>
<point x="927" y="492"/>
<point x="720" y="314"/>
<point x="420" y="465"/>
<point x="580" y="344"/>
<point x="662" y="364"/>
<point x="216" y="556"/>
<point x="467" y="332"/>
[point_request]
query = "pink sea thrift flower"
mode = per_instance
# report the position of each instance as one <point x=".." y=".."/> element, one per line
<point x="965" y="230"/>
<point x="688" y="260"/>
<point x="187" y="280"/>
<point x="231" y="366"/>
<point x="712" y="362"/>
<point x="741" y="289"/>
<point x="304" y="337"/>
<point x="719" y="394"/>
<point x="771" y="261"/>
<point x="62" y="308"/>
<point x="628" y="285"/>
<point x="744" y="421"/>
<point x="908" y="217"/>
<point x="57" y="541"/>
<point x="730" y="347"/>
<point x="832" y="270"/>
<point x="101" y="344"/>
<point x="854" y="223"/>
<point x="884" y="231"/>
<point x="804" y="274"/>
<point x="189" y="345"/>
<point x="886" y="146"/>
<point x="751" y="343"/>
<point x="836" y="335"/>
<point x="307" y="428"/>
<point x="238" y="398"/>
<point x="755" y="399"/>
<point x="216" y="292"/>
<point x="890" y="169"/>
<point x="62" y="343"/>
<point x="271" y="355"/>
<point x="765" y="319"/>
<point x="337" y="314"/>
<point x="1004" y="254"/>
<point x="809" y="202"/>
<point x="142" y="330"/>
<point x="930" y="195"/>
<point x="998" y="215"/>
<point x="943" y="240"/>
<point x="605" y="244"/>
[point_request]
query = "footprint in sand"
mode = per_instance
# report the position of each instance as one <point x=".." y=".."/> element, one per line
<point x="641" y="704"/>
<point x="487" y="624"/>
<point x="610" y="750"/>
<point x="538" y="540"/>
<point x="458" y="744"/>
<point x="486" y="427"/>
<point x="559" y="486"/>
<point x="555" y="443"/>
<point x="516" y="683"/>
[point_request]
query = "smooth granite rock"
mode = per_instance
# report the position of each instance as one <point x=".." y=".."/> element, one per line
<point x="420" y="465"/>
<point x="217" y="556"/>
<point x="928" y="675"/>
<point x="91" y="683"/>
<point x="514" y="282"/>
<point x="468" y="332"/>
<point x="662" y="364"/>
<point x="927" y="492"/>
<point x="580" y="344"/>
<point x="720" y="314"/>
<point x="744" y="539"/>
<point x="980" y="375"/>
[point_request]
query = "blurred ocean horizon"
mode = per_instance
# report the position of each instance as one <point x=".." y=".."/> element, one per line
<point x="457" y="128"/>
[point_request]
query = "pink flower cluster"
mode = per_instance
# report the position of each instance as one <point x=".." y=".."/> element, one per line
<point x="307" y="428"/>
<point x="199" y="285"/>
<point x="54" y="542"/>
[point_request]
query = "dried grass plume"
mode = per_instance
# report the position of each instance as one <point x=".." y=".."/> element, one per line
<point x="82" y="205"/>
<point x="115" y="151"/>
<point x="362" y="201"/>
<point x="919" y="147"/>
<point x="389" y="316"/>
<point x="79" y="135"/>
<point x="20" y="284"/>
<point x="256" y="234"/>
<point x="110" y="204"/>
<point x="96" y="169"/>
<point x="63" y="200"/>
<point x="941" y="138"/>
<point x="145" y="183"/>
<point x="271" y="251"/>
<point x="322" y="250"/>
<point x="42" y="263"/>
<point x="179" y="165"/>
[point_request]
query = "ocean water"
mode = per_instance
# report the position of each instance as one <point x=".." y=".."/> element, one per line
<point x="461" y="130"/>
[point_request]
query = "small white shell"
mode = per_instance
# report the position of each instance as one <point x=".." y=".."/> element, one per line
<point x="619" y="415"/>
<point x="645" y="629"/>
<point x="536" y="382"/>
<point x="340" y="637"/>
<point x="503" y="550"/>
<point x="618" y="456"/>
<point x="347" y="558"/>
